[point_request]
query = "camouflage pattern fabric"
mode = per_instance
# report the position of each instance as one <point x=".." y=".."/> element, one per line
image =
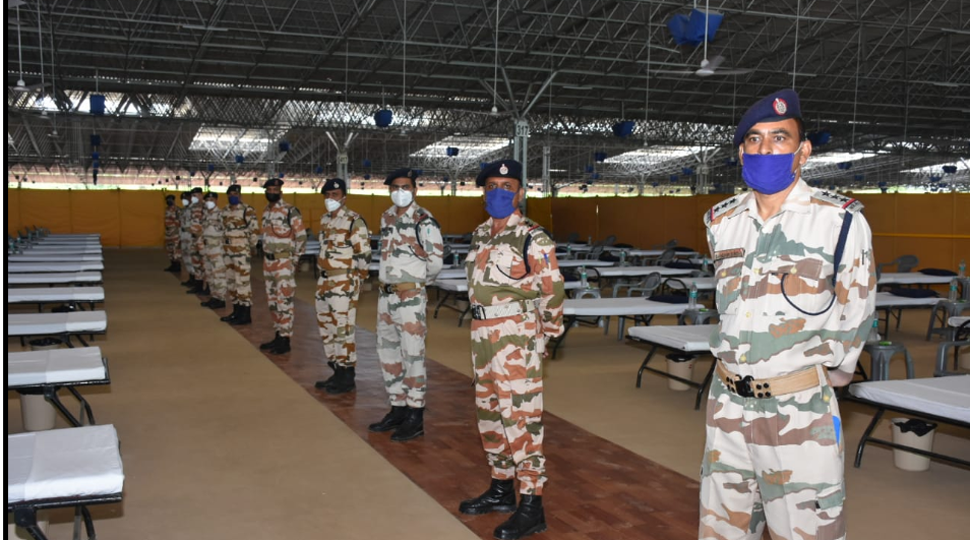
<point x="778" y="461"/>
<point x="213" y="237"/>
<point x="172" y="233"/>
<point x="344" y="257"/>
<point x="401" y="316"/>
<point x="185" y="239"/>
<point x="196" y="228"/>
<point x="507" y="351"/>
<point x="242" y="235"/>
<point x="284" y="241"/>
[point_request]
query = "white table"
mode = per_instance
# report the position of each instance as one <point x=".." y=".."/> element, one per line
<point x="22" y="267"/>
<point x="54" y="278"/>
<point x="51" y="295"/>
<point x="913" y="278"/>
<point x="691" y="339"/>
<point x="613" y="307"/>
<point x="59" y="325"/>
<point x="54" y="257"/>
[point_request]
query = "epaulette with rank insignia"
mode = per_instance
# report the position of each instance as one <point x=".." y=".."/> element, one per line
<point x="722" y="209"/>
<point x="846" y="203"/>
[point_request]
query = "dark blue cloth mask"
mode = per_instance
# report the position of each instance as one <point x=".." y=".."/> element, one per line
<point x="769" y="173"/>
<point x="498" y="203"/>
<point x="233" y="200"/>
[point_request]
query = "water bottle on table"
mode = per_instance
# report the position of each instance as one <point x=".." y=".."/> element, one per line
<point x="963" y="268"/>
<point x="953" y="291"/>
<point x="692" y="296"/>
<point x="874" y="337"/>
<point x="582" y="277"/>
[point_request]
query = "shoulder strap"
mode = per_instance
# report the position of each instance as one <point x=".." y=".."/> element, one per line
<point x="422" y="217"/>
<point x="535" y="229"/>
<point x="840" y="246"/>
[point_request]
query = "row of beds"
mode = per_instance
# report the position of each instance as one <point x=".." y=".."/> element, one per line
<point x="943" y="398"/>
<point x="78" y="466"/>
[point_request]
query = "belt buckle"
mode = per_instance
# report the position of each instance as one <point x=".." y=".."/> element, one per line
<point x="388" y="288"/>
<point x="478" y="312"/>
<point x="742" y="386"/>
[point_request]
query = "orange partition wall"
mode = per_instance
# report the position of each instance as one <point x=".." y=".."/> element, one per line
<point x="540" y="211"/>
<point x="13" y="212"/>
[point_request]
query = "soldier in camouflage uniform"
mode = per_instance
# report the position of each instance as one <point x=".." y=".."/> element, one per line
<point x="172" y="235"/>
<point x="196" y="229"/>
<point x="242" y="234"/>
<point x="185" y="237"/>
<point x="516" y="292"/>
<point x="796" y="297"/>
<point x="411" y="257"/>
<point x="213" y="238"/>
<point x="284" y="241"/>
<point x="343" y="261"/>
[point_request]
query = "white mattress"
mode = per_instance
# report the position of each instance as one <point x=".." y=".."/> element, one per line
<point x="53" y="277"/>
<point x="78" y="235"/>
<point x="703" y="283"/>
<point x="957" y="321"/>
<point x="68" y="242"/>
<point x="689" y="338"/>
<point x="912" y="278"/>
<point x="886" y="300"/>
<point x="72" y="462"/>
<point x="605" y="307"/>
<point x="461" y="285"/>
<point x="55" y="294"/>
<point x="36" y="324"/>
<point x="639" y="271"/>
<point x="54" y="257"/>
<point x="948" y="397"/>
<point x="19" y="268"/>
<point x="576" y="263"/>
<point x="55" y="366"/>
<point x="48" y="250"/>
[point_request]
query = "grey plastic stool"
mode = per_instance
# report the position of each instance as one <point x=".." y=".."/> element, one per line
<point x="942" y="311"/>
<point x="881" y="353"/>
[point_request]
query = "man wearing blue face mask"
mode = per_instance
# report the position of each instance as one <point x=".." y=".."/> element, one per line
<point x="516" y="294"/>
<point x="796" y="298"/>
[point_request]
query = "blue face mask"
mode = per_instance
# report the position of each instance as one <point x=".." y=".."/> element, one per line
<point x="498" y="203"/>
<point x="233" y="200"/>
<point x="769" y="173"/>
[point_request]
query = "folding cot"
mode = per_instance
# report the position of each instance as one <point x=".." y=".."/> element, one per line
<point x="694" y="340"/>
<point x="22" y="267"/>
<point x="609" y="307"/>
<point x="54" y="257"/>
<point x="73" y="296"/>
<point x="54" y="278"/>
<point x="61" y="468"/>
<point x="48" y="371"/>
<point x="61" y="326"/>
<point x="942" y="399"/>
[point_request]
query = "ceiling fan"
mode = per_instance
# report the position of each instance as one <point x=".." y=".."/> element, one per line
<point x="708" y="67"/>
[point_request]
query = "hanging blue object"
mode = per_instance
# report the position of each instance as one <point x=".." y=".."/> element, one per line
<point x="654" y="184"/>
<point x="674" y="178"/>
<point x="366" y="163"/>
<point x="95" y="164"/>
<point x="211" y="167"/>
<point x="95" y="155"/>
<point x="935" y="178"/>
<point x="281" y="175"/>
<point x="949" y="169"/>
<point x="444" y="178"/>
<point x="845" y="165"/>
<point x="239" y="158"/>
<point x="383" y="118"/>
<point x="191" y="172"/>
<point x="689" y="30"/>
<point x="452" y="151"/>
<point x="624" y="129"/>
<point x="284" y="146"/>
<point x="883" y="184"/>
<point x="819" y="138"/>
<point x="687" y="171"/>
<point x="318" y="169"/>
<point x="97" y="104"/>
<point x="600" y="157"/>
<point x="95" y="140"/>
<point x="859" y="177"/>
<point x="366" y="177"/>
<point x="590" y="168"/>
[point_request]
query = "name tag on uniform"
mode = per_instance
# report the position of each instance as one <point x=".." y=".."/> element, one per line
<point x="728" y="254"/>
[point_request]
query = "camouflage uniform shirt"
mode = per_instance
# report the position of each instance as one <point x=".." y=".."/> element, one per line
<point x="242" y="230"/>
<point x="762" y="333"/>
<point x="284" y="235"/>
<point x="344" y="243"/>
<point x="411" y="246"/>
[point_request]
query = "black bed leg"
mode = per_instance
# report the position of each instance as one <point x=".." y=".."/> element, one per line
<point x="865" y="437"/>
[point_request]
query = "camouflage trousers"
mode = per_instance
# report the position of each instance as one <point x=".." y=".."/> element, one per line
<point x="184" y="244"/>
<point x="401" y="331"/>
<point x="198" y="260"/>
<point x="280" y="288"/>
<point x="173" y="247"/>
<point x="215" y="269"/>
<point x="507" y="357"/>
<point x="775" y="461"/>
<point x="336" y="303"/>
<point x="238" y="276"/>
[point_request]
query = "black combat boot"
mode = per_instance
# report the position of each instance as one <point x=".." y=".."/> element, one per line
<point x="282" y="347"/>
<point x="206" y="291"/>
<point x="171" y="267"/>
<point x="391" y="420"/>
<point x="270" y="344"/>
<point x="232" y="316"/>
<point x="215" y="303"/>
<point x="324" y="383"/>
<point x="244" y="316"/>
<point x="176" y="266"/>
<point x="196" y="288"/>
<point x="189" y="282"/>
<point x="343" y="382"/>
<point x="500" y="497"/>
<point x="412" y="427"/>
<point x="527" y="519"/>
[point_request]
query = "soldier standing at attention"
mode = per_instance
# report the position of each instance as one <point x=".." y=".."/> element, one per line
<point x="284" y="241"/>
<point x="185" y="237"/>
<point x="343" y="261"/>
<point x="411" y="257"/>
<point x="516" y="294"/>
<point x="196" y="229"/>
<point x="172" y="235"/>
<point x="213" y="238"/>
<point x="796" y="297"/>
<point x="242" y="234"/>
